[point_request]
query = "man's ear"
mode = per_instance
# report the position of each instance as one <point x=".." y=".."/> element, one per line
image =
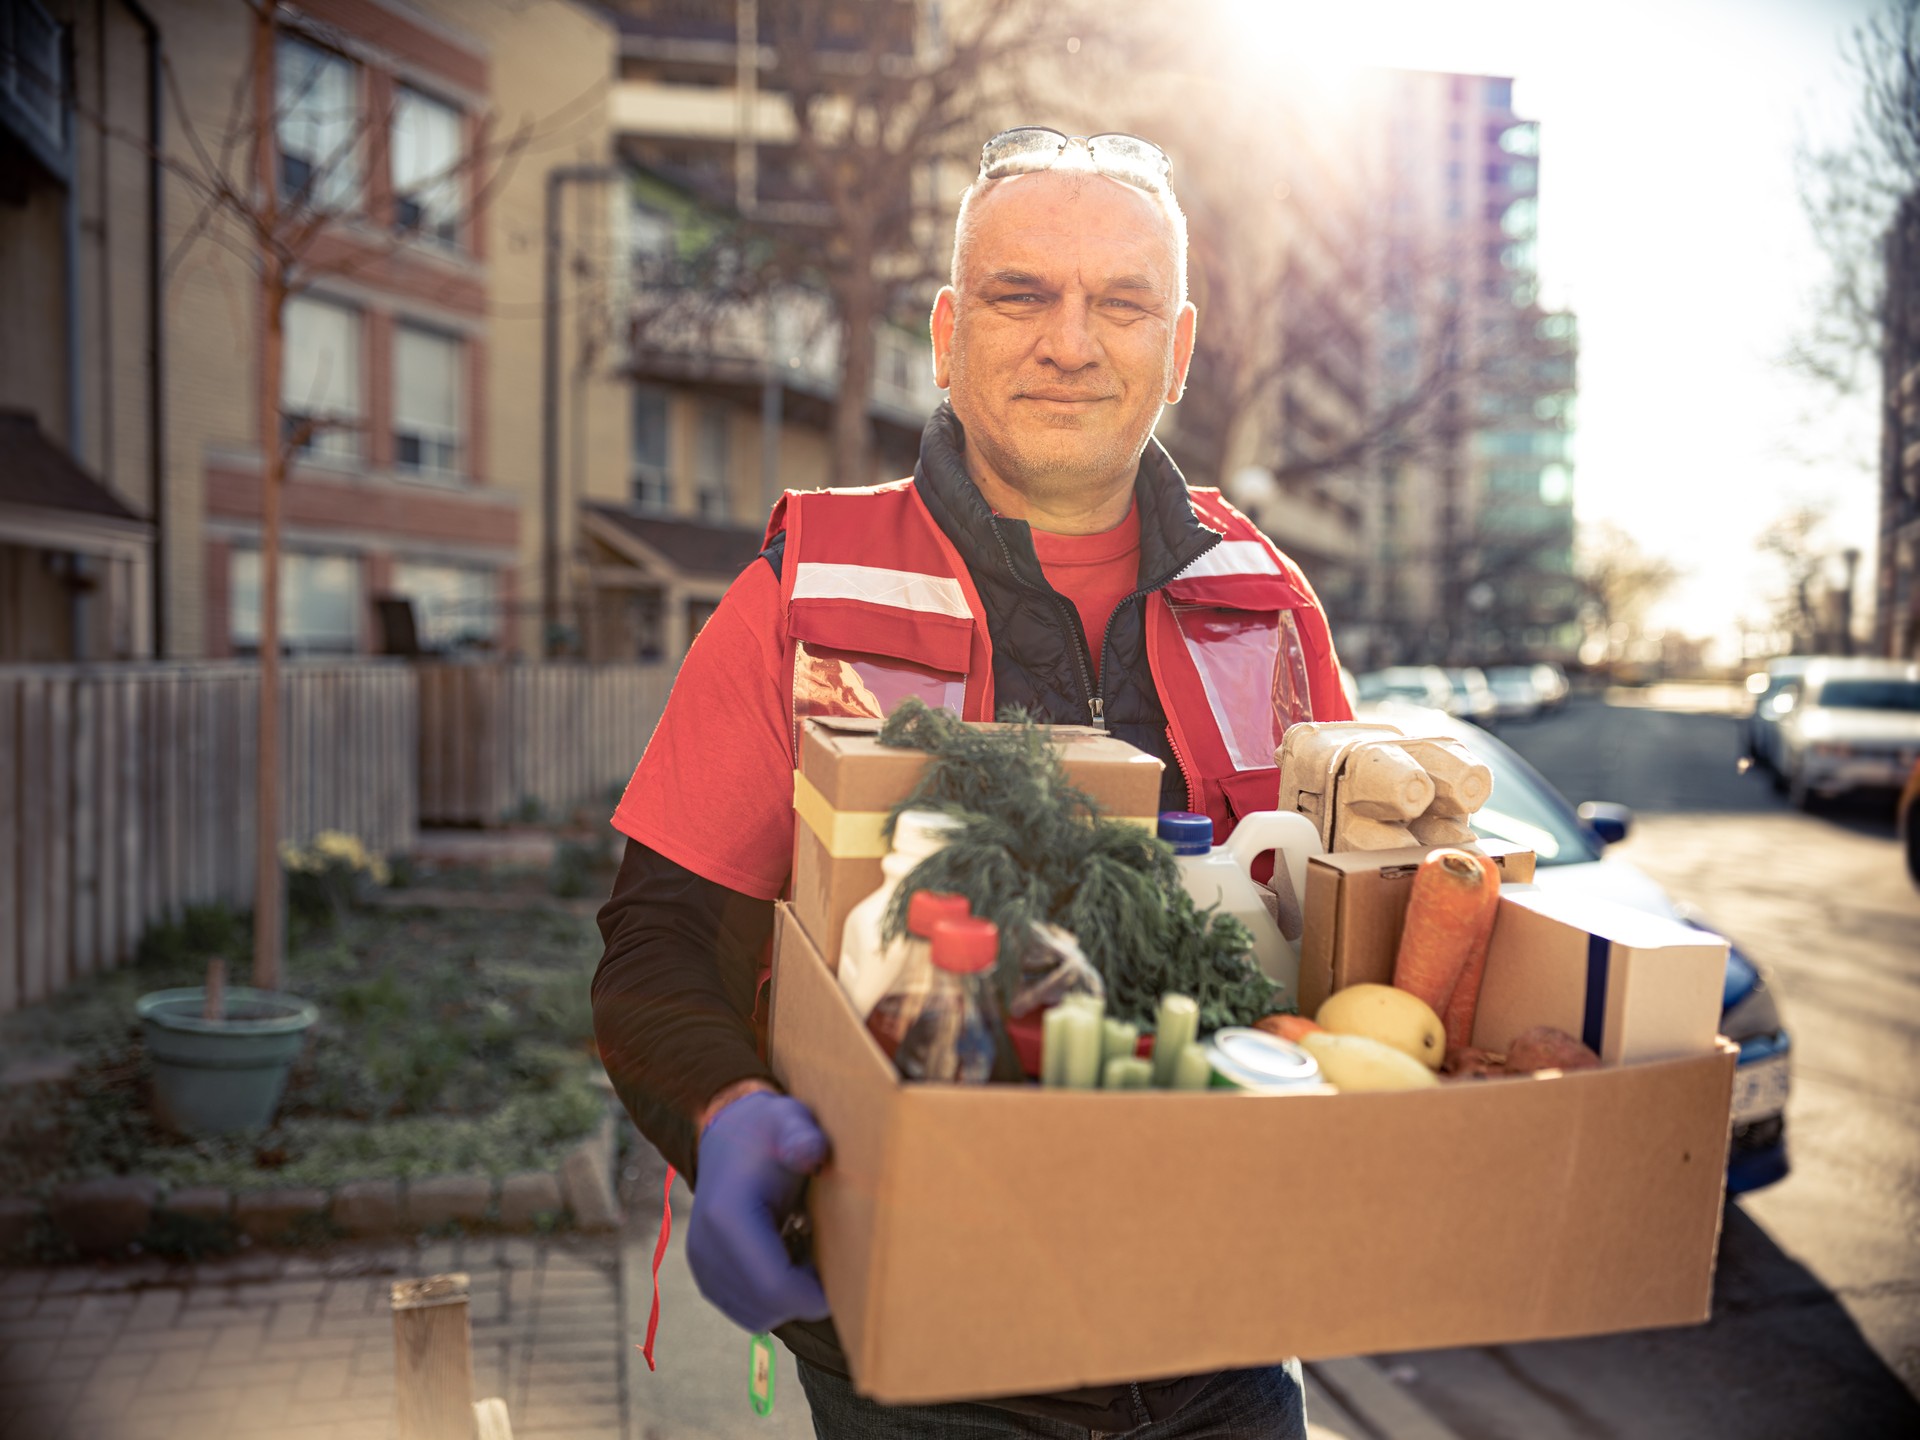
<point x="942" y="327"/>
<point x="1182" y="351"/>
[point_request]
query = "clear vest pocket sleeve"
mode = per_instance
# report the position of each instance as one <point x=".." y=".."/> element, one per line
<point x="1254" y="670"/>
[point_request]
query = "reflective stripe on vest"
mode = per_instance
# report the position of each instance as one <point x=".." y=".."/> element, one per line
<point x="1252" y="657"/>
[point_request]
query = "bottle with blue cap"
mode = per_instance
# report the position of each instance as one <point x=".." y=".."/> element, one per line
<point x="1222" y="875"/>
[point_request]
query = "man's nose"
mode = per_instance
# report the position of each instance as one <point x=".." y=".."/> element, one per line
<point x="1067" y="342"/>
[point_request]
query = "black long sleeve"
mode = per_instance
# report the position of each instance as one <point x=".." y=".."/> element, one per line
<point x="673" y="998"/>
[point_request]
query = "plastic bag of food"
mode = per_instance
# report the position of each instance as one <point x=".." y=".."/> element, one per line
<point x="1052" y="967"/>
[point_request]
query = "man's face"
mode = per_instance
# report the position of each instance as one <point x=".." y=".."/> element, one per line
<point x="1066" y="334"/>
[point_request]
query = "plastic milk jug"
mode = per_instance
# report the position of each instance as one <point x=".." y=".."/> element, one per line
<point x="1223" y="875"/>
<point x="868" y="968"/>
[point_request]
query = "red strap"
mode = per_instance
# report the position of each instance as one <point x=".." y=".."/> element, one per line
<point x="659" y="1255"/>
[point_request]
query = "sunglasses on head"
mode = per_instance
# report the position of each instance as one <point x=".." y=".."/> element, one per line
<point x="1028" y="149"/>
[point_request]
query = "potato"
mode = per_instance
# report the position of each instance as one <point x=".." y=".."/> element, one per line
<point x="1545" y="1048"/>
<point x="1469" y="1062"/>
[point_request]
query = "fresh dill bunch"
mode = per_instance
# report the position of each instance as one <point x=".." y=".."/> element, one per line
<point x="1032" y="846"/>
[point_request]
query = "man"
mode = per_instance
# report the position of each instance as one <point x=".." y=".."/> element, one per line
<point x="1045" y="554"/>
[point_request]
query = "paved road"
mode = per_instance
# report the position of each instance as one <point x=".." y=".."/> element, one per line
<point x="1816" y="1330"/>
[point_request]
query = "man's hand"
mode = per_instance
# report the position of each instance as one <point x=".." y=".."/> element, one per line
<point x="755" y="1154"/>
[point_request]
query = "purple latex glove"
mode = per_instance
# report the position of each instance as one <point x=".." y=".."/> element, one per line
<point x="755" y="1156"/>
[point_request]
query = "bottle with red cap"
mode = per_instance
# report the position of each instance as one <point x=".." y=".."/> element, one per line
<point x="955" y="1036"/>
<point x="893" y="1013"/>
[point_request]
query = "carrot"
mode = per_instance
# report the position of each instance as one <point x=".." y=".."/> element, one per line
<point x="1287" y="1027"/>
<point x="1449" y="917"/>
<point x="1465" y="999"/>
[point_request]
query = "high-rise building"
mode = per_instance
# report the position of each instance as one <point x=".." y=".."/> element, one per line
<point x="1472" y="518"/>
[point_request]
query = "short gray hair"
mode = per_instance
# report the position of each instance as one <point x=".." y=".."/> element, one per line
<point x="1163" y="201"/>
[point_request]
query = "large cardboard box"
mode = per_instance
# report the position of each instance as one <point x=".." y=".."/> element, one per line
<point x="1356" y="907"/>
<point x="848" y="781"/>
<point x="1633" y="986"/>
<point x="1000" y="1240"/>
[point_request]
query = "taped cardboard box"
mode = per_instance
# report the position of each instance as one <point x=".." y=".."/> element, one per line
<point x="1356" y="906"/>
<point x="848" y="782"/>
<point x="1002" y="1240"/>
<point x="1632" y="986"/>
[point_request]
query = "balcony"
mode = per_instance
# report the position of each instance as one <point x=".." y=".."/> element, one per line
<point x="31" y="110"/>
<point x="679" y="337"/>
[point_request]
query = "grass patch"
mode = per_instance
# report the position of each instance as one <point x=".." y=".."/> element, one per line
<point x="449" y="1041"/>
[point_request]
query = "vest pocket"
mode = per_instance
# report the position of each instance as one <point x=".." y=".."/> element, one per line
<point x="841" y="684"/>
<point x="1253" y="669"/>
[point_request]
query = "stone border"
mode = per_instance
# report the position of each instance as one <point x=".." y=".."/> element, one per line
<point x="109" y="1213"/>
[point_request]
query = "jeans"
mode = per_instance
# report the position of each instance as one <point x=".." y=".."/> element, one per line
<point x="1264" y="1404"/>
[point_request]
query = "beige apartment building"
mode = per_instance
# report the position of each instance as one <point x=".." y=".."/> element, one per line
<point x="79" y="411"/>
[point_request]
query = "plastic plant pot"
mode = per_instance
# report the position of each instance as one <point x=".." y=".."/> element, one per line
<point x="216" y="1077"/>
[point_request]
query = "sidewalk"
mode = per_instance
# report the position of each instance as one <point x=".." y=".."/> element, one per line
<point x="300" y="1347"/>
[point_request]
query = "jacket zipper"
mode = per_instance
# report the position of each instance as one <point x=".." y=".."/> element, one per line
<point x="1098" y="702"/>
<point x="1186" y="772"/>
<point x="1096" y="694"/>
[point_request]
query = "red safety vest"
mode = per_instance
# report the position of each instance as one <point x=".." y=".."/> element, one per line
<point x="880" y="605"/>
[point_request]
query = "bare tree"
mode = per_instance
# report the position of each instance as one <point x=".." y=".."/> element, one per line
<point x="1813" y="611"/>
<point x="1619" y="584"/>
<point x="889" y="103"/>
<point x="281" y="226"/>
<point x="1851" y="192"/>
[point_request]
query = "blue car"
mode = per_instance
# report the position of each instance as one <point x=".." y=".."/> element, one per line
<point x="1569" y="846"/>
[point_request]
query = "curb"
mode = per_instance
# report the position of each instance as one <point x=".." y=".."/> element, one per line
<point x="1377" y="1405"/>
<point x="583" y="1185"/>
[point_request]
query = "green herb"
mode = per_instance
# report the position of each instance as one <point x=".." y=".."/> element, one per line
<point x="1032" y="846"/>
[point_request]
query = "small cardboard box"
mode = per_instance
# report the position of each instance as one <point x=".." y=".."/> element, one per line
<point x="1632" y="986"/>
<point x="1004" y="1240"/>
<point x="848" y="781"/>
<point x="1356" y="906"/>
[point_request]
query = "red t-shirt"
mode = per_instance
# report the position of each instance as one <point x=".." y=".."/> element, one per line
<point x="714" y="791"/>
<point x="1095" y="572"/>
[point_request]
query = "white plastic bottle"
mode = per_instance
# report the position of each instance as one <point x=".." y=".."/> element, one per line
<point x="1222" y="875"/>
<point x="867" y="967"/>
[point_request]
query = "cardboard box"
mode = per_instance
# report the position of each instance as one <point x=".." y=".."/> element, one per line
<point x="1001" y="1240"/>
<point x="1356" y="906"/>
<point x="1633" y="986"/>
<point x="848" y="781"/>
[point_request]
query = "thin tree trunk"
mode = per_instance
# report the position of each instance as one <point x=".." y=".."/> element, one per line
<point x="268" y="926"/>
<point x="852" y="430"/>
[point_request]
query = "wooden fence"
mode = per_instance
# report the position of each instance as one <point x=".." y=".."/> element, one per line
<point x="502" y="741"/>
<point x="127" y="792"/>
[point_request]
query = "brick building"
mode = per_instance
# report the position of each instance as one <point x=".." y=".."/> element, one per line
<point x="426" y="131"/>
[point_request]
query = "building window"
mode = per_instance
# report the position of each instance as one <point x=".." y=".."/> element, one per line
<point x="320" y="378"/>
<point x="317" y="101"/>
<point x="319" y="603"/>
<point x="426" y="401"/>
<point x="454" y="606"/>
<point x="1499" y="94"/>
<point x="712" y="454"/>
<point x="426" y="164"/>
<point x="652" y="478"/>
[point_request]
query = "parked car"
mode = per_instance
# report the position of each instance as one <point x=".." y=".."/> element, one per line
<point x="1570" y="850"/>
<point x="1551" y="681"/>
<point x="1768" y="687"/>
<point x="1417" y="684"/>
<point x="1472" y="697"/>
<point x="1516" y="695"/>
<point x="1853" y="725"/>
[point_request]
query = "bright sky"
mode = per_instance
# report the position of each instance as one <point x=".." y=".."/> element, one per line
<point x="1670" y="221"/>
